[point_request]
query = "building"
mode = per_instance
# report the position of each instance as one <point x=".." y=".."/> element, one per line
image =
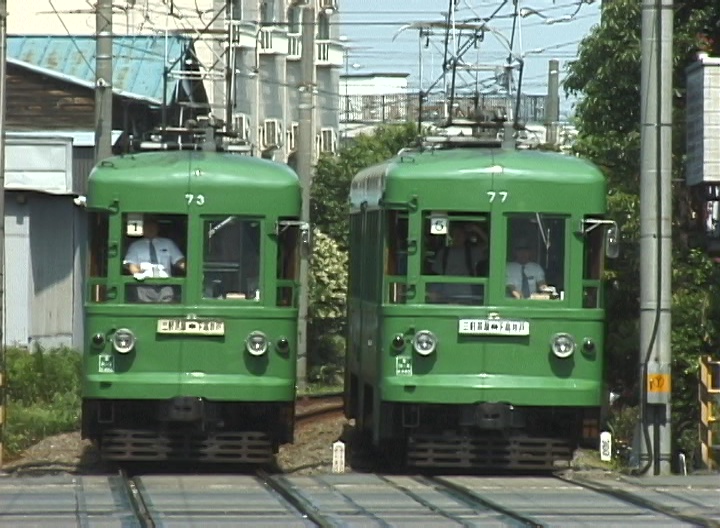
<point x="260" y="39"/>
<point x="49" y="153"/>
<point x="370" y="99"/>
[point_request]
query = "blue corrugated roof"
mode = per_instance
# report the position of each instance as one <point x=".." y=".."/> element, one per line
<point x="138" y="61"/>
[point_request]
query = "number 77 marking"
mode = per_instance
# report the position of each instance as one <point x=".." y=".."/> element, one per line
<point x="493" y="194"/>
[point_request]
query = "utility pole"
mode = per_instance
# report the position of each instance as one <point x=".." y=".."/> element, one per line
<point x="552" y="106"/>
<point x="305" y="160"/>
<point x="655" y="235"/>
<point x="3" y="106"/>
<point x="103" y="80"/>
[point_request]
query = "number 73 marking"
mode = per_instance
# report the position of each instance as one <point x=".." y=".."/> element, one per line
<point x="495" y="194"/>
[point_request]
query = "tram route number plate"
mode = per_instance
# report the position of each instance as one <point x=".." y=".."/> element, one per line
<point x="495" y="327"/>
<point x="191" y="327"/>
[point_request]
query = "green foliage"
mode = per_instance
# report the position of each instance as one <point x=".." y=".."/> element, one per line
<point x="327" y="308"/>
<point x="43" y="395"/>
<point x="607" y="77"/>
<point x="333" y="174"/>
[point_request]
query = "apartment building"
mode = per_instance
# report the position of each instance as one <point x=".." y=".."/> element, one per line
<point x="248" y="51"/>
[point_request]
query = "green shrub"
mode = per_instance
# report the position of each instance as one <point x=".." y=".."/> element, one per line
<point x="43" y="395"/>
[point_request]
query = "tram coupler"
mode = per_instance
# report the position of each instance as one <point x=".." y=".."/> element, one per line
<point x="490" y="416"/>
<point x="183" y="409"/>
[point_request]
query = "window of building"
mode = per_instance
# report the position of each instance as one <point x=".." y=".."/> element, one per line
<point x="294" y="15"/>
<point x="267" y="11"/>
<point x="323" y="27"/>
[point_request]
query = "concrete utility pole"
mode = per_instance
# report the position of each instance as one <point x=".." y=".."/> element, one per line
<point x="3" y="105"/>
<point x="655" y="234"/>
<point x="103" y="80"/>
<point x="552" y="106"/>
<point x="305" y="160"/>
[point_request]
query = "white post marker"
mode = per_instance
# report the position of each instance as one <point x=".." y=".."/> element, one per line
<point x="338" y="459"/>
<point x="605" y="446"/>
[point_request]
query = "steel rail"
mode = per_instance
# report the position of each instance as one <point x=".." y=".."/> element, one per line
<point x="300" y="503"/>
<point x="635" y="500"/>
<point x="472" y="499"/>
<point x="137" y="503"/>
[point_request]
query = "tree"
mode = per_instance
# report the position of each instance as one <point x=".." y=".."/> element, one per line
<point x="331" y="183"/>
<point x="329" y="216"/>
<point x="606" y="76"/>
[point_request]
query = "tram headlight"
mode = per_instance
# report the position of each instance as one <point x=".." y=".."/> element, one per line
<point x="123" y="341"/>
<point x="283" y="345"/>
<point x="425" y="342"/>
<point x="98" y="340"/>
<point x="563" y="345"/>
<point x="256" y="344"/>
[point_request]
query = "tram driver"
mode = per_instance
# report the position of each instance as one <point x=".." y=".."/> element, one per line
<point x="524" y="277"/>
<point x="153" y="256"/>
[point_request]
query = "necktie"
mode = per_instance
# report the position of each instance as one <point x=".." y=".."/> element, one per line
<point x="153" y="253"/>
<point x="525" y="284"/>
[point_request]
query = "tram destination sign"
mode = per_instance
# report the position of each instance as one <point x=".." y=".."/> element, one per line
<point x="191" y="327"/>
<point x="494" y="327"/>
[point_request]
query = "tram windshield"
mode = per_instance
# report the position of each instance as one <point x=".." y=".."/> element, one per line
<point x="536" y="257"/>
<point x="231" y="261"/>
<point x="154" y="248"/>
<point x="456" y="246"/>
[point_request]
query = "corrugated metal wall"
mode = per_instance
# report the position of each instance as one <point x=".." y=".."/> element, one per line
<point x="17" y="270"/>
<point x="53" y="263"/>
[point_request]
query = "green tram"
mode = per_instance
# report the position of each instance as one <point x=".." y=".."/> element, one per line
<point x="191" y="307"/>
<point x="476" y="318"/>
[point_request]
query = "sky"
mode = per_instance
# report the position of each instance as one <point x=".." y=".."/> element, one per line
<point x="548" y="31"/>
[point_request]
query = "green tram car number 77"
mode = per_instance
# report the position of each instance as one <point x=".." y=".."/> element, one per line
<point x="191" y="307"/>
<point x="476" y="316"/>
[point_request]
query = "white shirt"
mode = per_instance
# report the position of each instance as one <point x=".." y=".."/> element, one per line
<point x="534" y="273"/>
<point x="166" y="250"/>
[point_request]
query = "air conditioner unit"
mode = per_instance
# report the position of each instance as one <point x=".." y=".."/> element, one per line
<point x="292" y="134"/>
<point x="272" y="134"/>
<point x="328" y="4"/>
<point x="241" y="126"/>
<point x="328" y="140"/>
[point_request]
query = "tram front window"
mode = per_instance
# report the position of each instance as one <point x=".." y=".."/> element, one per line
<point x="456" y="248"/>
<point x="231" y="265"/>
<point x="154" y="248"/>
<point x="536" y="257"/>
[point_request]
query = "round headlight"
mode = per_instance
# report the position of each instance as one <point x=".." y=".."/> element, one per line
<point x="425" y="342"/>
<point x="398" y="342"/>
<point x="256" y="344"/>
<point x="283" y="345"/>
<point x="563" y="345"/>
<point x="98" y="340"/>
<point x="123" y="341"/>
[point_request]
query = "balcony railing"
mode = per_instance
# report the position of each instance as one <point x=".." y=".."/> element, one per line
<point x="294" y="46"/>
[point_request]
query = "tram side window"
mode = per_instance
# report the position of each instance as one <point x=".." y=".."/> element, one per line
<point x="536" y="257"/>
<point x="154" y="248"/>
<point x="231" y="261"/>
<point x="98" y="255"/>
<point x="593" y="262"/>
<point x="396" y="256"/>
<point x="455" y="245"/>
<point x="288" y="264"/>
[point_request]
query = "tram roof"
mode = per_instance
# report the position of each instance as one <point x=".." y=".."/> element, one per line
<point x="465" y="165"/>
<point x="138" y="178"/>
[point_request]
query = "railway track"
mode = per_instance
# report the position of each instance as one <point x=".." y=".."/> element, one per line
<point x="263" y="499"/>
<point x="316" y="407"/>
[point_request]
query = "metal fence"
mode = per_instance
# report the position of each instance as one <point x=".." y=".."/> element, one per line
<point x="397" y="108"/>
